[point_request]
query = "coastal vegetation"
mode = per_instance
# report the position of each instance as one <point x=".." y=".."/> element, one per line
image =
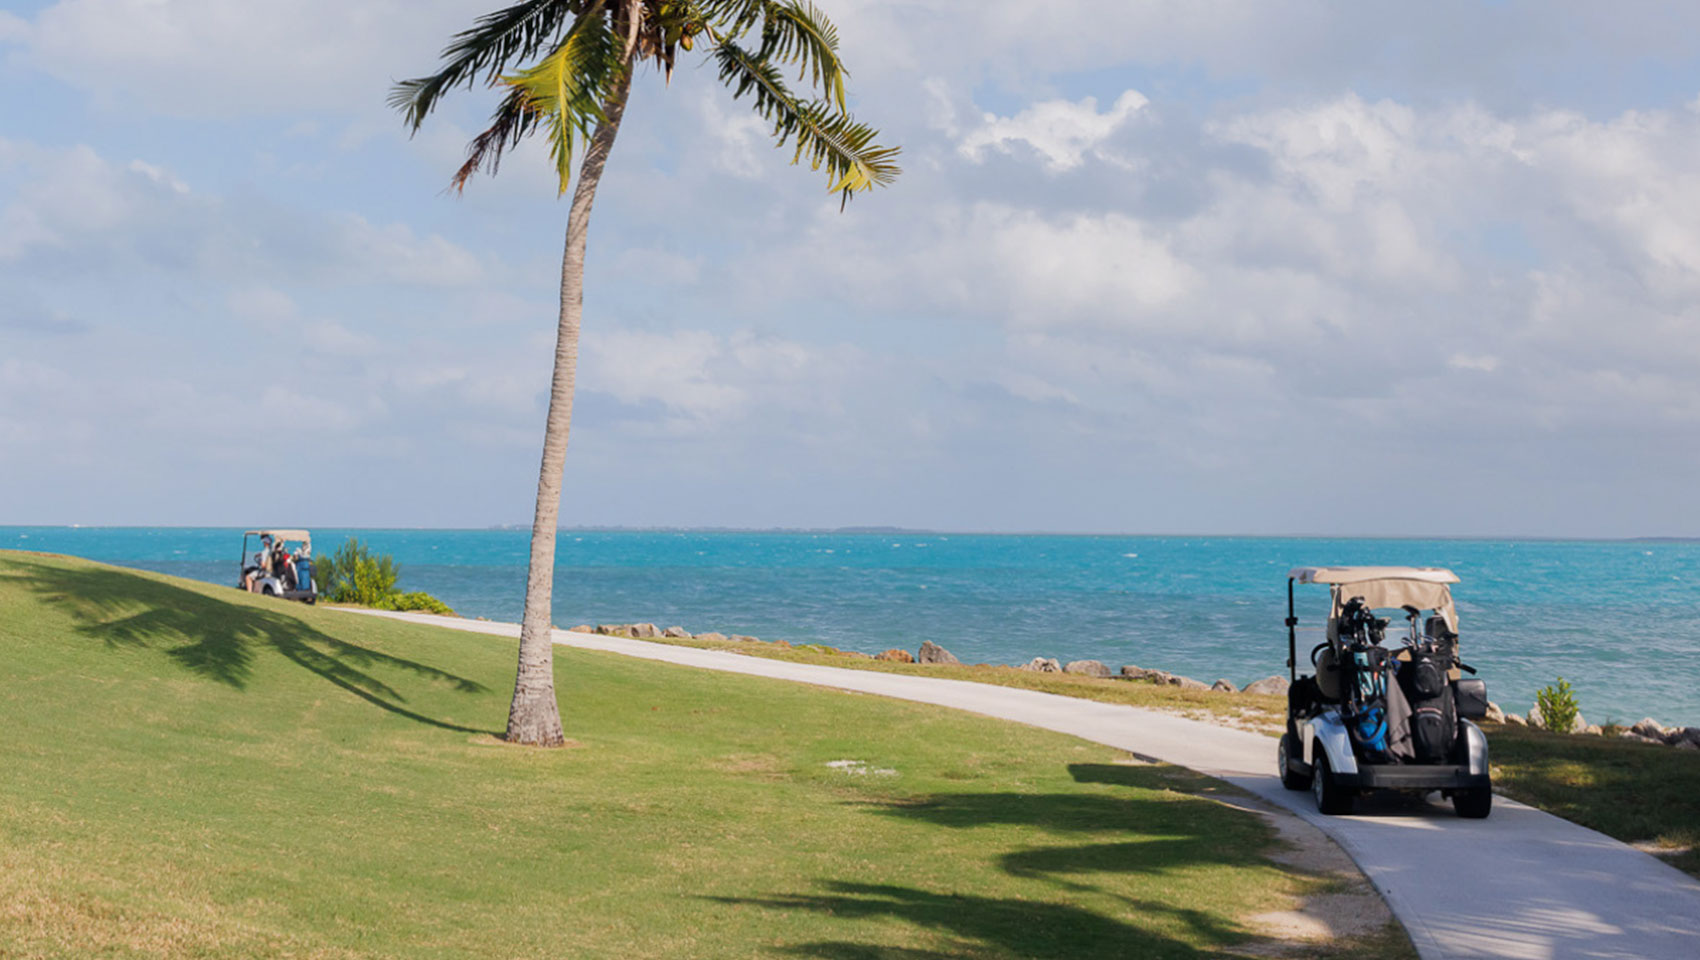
<point x="355" y="575"/>
<point x="195" y="771"/>
<point x="565" y="67"/>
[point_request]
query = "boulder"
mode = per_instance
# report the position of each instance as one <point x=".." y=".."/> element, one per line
<point x="712" y="637"/>
<point x="1689" y="735"/>
<point x="1269" y="686"/>
<point x="1187" y="683"/>
<point x="1516" y="720"/>
<point x="1590" y="730"/>
<point x="584" y="628"/>
<point x="1223" y="686"/>
<point x="1649" y="728"/>
<point x="854" y="654"/>
<point x="677" y="633"/>
<point x="645" y="631"/>
<point x="1636" y="737"/>
<point x="1131" y="672"/>
<point x="614" y="629"/>
<point x="896" y="656"/>
<point x="931" y="652"/>
<point x="1494" y="713"/>
<point x="1041" y="665"/>
<point x="1686" y="745"/>
<point x="740" y="638"/>
<point x="1535" y="719"/>
<point x="1087" y="668"/>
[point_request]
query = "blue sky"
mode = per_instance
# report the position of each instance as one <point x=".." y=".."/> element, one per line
<point x="1152" y="267"/>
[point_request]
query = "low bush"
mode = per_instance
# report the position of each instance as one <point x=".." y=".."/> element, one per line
<point x="356" y="575"/>
<point x="1558" y="707"/>
<point x="416" y="600"/>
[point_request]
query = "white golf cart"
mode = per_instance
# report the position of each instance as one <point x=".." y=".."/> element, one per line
<point x="1373" y="718"/>
<point x="276" y="570"/>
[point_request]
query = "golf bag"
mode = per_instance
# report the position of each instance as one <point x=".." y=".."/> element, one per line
<point x="1434" y="714"/>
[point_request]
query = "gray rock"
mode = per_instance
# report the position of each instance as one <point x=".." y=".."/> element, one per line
<point x="712" y="637"/>
<point x="1649" y="728"/>
<point x="1636" y="737"/>
<point x="1516" y="720"/>
<point x="677" y="633"/>
<point x="1087" y="668"/>
<point x="1535" y="719"/>
<point x="1271" y="686"/>
<point x="614" y="629"/>
<point x="1131" y="672"/>
<point x="743" y="639"/>
<point x="1042" y="665"/>
<point x="931" y="652"/>
<point x="1187" y="683"/>
<point x="645" y="631"/>
<point x="1223" y="686"/>
<point x="1686" y="745"/>
<point x="1494" y="713"/>
<point x="1689" y="735"/>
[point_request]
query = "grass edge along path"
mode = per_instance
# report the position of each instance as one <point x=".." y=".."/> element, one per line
<point x="1642" y="794"/>
<point x="197" y="772"/>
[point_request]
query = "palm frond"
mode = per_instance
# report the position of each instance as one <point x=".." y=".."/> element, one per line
<point x="496" y="39"/>
<point x="829" y="137"/>
<point x="796" y="31"/>
<point x="566" y="88"/>
<point x="512" y="122"/>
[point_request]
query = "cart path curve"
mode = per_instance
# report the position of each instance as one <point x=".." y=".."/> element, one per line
<point x="1522" y="885"/>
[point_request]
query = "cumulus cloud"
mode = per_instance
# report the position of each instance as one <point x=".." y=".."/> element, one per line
<point x="1063" y="133"/>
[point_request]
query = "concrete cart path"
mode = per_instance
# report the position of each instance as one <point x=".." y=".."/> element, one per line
<point x="1522" y="884"/>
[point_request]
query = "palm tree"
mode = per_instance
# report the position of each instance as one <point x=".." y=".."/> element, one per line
<point x="565" y="68"/>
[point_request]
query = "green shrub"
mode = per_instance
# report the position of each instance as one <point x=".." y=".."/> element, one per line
<point x="416" y="600"/>
<point x="354" y="574"/>
<point x="1558" y="708"/>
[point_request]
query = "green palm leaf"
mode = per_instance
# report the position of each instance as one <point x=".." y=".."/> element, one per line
<point x="494" y="40"/>
<point x="566" y="88"/>
<point x="827" y="136"/>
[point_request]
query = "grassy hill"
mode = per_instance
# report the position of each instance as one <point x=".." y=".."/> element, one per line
<point x="190" y="771"/>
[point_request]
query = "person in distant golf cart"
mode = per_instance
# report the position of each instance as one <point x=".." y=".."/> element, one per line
<point x="260" y="568"/>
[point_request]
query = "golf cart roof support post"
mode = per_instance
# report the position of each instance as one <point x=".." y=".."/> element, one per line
<point x="1292" y="635"/>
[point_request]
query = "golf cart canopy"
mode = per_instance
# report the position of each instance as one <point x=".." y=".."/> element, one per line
<point x="1384" y="588"/>
<point x="300" y="535"/>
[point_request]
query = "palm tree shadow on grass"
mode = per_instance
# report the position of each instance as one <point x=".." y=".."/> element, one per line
<point x="1150" y="835"/>
<point x="219" y="640"/>
<point x="999" y="926"/>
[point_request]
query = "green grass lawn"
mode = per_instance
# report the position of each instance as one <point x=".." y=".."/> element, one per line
<point x="1264" y="712"/>
<point x="1637" y="792"/>
<point x="190" y="771"/>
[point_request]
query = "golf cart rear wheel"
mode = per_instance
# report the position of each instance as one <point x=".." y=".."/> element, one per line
<point x="1285" y="755"/>
<point x="1475" y="803"/>
<point x="1331" y="798"/>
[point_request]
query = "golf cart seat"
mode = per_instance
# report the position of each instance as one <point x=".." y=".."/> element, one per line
<point x="1328" y="681"/>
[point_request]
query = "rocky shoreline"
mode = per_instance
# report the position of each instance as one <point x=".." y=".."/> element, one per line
<point x="1647" y="730"/>
<point x="931" y="653"/>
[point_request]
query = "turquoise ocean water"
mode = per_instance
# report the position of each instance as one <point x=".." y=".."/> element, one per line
<point x="1620" y="620"/>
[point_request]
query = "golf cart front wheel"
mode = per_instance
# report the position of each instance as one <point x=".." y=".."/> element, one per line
<point x="1474" y="804"/>
<point x="1331" y="799"/>
<point x="1286" y="755"/>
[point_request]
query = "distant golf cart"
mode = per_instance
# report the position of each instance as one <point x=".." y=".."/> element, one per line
<point x="271" y="568"/>
<point x="1369" y="717"/>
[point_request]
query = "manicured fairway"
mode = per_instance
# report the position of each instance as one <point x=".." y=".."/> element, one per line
<point x="191" y="771"/>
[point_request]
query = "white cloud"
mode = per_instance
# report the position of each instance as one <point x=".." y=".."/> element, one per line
<point x="1063" y="133"/>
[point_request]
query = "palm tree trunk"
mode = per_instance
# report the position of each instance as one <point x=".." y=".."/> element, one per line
<point x="535" y="717"/>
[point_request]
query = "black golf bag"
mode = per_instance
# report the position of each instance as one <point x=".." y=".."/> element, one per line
<point x="1427" y="687"/>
